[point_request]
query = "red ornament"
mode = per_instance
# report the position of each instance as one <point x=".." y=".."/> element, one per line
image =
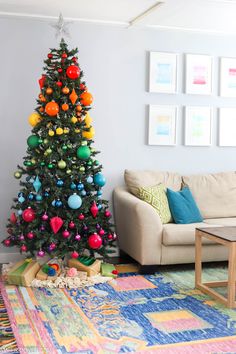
<point x="73" y="72"/>
<point x="30" y="235"/>
<point x="23" y="248"/>
<point x="94" y="241"/>
<point x="64" y="55"/>
<point x="101" y="232"/>
<point x="42" y="81"/>
<point x="50" y="56"/>
<point x="71" y="225"/>
<point x="28" y="215"/>
<point x="56" y="223"/>
<point x="13" y="218"/>
<point x="94" y="209"/>
<point x="107" y="214"/>
<point x="74" y="254"/>
<point x="110" y="237"/>
<point x="115" y="272"/>
<point x="59" y="83"/>
<point x="74" y="59"/>
<point x="82" y="87"/>
<point x="65" y="234"/>
<point x="81" y="217"/>
<point x="7" y="242"/>
<point x="59" y="70"/>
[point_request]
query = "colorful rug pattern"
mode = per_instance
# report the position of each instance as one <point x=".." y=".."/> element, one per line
<point x="160" y="313"/>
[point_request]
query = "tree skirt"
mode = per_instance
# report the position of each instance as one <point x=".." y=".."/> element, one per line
<point x="160" y="313"/>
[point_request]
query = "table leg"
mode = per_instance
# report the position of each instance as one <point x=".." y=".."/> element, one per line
<point x="231" y="274"/>
<point x="198" y="258"/>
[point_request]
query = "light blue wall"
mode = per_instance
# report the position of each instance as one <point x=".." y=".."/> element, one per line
<point x="115" y="63"/>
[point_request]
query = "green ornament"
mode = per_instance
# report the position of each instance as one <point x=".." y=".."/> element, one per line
<point x="61" y="164"/>
<point x="96" y="162"/>
<point x="50" y="165"/>
<point x="45" y="141"/>
<point x="28" y="163"/>
<point x="42" y="163"/>
<point x="33" y="141"/>
<point x="48" y="151"/>
<point x="69" y="146"/>
<point x="83" y="152"/>
<point x="17" y="174"/>
<point x="40" y="141"/>
<point x="82" y="169"/>
<point x="84" y="143"/>
<point x="33" y="161"/>
<point x="74" y="158"/>
<point x="89" y="163"/>
<point x="64" y="147"/>
<point x="68" y="172"/>
<point x="25" y="163"/>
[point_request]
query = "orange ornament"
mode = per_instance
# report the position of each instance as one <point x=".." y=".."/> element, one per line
<point x="65" y="90"/>
<point x="65" y="107"/>
<point x="73" y="96"/>
<point x="49" y="91"/>
<point x="52" y="108"/>
<point x="41" y="109"/>
<point x="86" y="98"/>
<point x="42" y="98"/>
<point x="78" y="108"/>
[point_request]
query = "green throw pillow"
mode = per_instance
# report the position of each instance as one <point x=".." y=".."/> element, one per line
<point x="156" y="197"/>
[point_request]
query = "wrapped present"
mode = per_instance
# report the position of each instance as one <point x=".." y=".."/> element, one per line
<point x="23" y="272"/>
<point x="86" y="264"/>
<point x="51" y="270"/>
<point x="109" y="270"/>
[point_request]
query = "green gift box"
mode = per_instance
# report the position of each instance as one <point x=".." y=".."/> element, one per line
<point x="23" y="272"/>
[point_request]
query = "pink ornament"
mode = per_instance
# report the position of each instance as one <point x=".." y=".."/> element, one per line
<point x="74" y="254"/>
<point x="71" y="225"/>
<point x="110" y="237"/>
<point x="21" y="237"/>
<point x="52" y="246"/>
<point x="101" y="232"/>
<point x="30" y="235"/>
<point x="94" y="209"/>
<point x="42" y="228"/>
<point x="72" y="272"/>
<point x="77" y="237"/>
<point x="13" y="218"/>
<point x="56" y="223"/>
<point x="45" y="217"/>
<point x="94" y="241"/>
<point x="7" y="243"/>
<point x="23" y="248"/>
<point x="41" y="253"/>
<point x="107" y="214"/>
<point x="65" y="234"/>
<point x="114" y="236"/>
<point x="81" y="217"/>
<point x="28" y="215"/>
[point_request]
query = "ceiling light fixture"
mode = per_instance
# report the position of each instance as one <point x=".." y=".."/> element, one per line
<point x="145" y="13"/>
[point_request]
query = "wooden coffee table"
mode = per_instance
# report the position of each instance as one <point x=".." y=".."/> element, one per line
<point x="225" y="236"/>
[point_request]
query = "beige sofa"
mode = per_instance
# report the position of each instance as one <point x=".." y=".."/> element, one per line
<point x="141" y="233"/>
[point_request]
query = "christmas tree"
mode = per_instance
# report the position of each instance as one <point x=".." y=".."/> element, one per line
<point x="59" y="208"/>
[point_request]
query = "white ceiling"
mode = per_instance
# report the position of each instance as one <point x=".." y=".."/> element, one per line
<point x="211" y="16"/>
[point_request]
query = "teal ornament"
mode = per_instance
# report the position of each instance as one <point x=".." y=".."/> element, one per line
<point x="39" y="198"/>
<point x="53" y="203"/>
<point x="99" y="193"/>
<point x="83" y="152"/>
<point x="73" y="185"/>
<point x="37" y="184"/>
<point x="21" y="199"/>
<point x="99" y="179"/>
<point x="90" y="179"/>
<point x="74" y="201"/>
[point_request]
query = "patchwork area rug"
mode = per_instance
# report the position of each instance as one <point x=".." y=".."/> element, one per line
<point x="160" y="313"/>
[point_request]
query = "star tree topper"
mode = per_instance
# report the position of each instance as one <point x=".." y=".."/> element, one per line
<point x="61" y="27"/>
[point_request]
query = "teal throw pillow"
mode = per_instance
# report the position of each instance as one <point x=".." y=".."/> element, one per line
<point x="183" y="207"/>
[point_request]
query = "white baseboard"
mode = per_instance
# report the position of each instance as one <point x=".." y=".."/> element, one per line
<point x="10" y="257"/>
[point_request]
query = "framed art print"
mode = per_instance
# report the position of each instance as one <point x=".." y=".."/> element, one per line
<point x="227" y="127"/>
<point x="163" y="72"/>
<point x="198" y="126"/>
<point x="162" y="125"/>
<point x="228" y="77"/>
<point x="198" y="74"/>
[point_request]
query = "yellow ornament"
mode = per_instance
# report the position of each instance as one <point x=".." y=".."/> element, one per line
<point x="88" y="120"/>
<point x="89" y="134"/>
<point x="34" y="119"/>
<point x="59" y="131"/>
<point x="74" y="120"/>
<point x="51" y="132"/>
<point x="66" y="130"/>
<point x="77" y="130"/>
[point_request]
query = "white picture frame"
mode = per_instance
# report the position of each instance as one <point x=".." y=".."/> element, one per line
<point x="227" y="127"/>
<point x="198" y="74"/>
<point x="162" y="125"/>
<point x="163" y="72"/>
<point x="228" y="77"/>
<point x="198" y="126"/>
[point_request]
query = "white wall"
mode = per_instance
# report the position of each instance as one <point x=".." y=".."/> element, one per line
<point x="115" y="63"/>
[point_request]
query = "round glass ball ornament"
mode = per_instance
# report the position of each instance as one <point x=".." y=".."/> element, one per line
<point x="74" y="201"/>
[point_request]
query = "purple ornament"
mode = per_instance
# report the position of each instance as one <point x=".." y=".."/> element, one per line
<point x="98" y="226"/>
<point x="85" y="228"/>
<point x="45" y="217"/>
<point x="77" y="237"/>
<point x="41" y="253"/>
<point x="21" y="237"/>
<point x="52" y="246"/>
<point x="42" y="228"/>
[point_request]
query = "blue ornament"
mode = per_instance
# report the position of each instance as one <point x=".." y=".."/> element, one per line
<point x="99" y="197"/>
<point x="99" y="192"/>
<point x="83" y="193"/>
<point x="31" y="196"/>
<point x="89" y="179"/>
<point x="39" y="197"/>
<point x="51" y="271"/>
<point x="74" y="201"/>
<point x="58" y="203"/>
<point x="99" y="206"/>
<point x="53" y="203"/>
<point x="73" y="185"/>
<point x="21" y="199"/>
<point x="46" y="194"/>
<point x="37" y="184"/>
<point x="19" y="212"/>
<point x="80" y="186"/>
<point x="60" y="183"/>
<point x="99" y="179"/>
<point x="21" y="194"/>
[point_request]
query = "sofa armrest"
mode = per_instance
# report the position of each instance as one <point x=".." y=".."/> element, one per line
<point x="139" y="227"/>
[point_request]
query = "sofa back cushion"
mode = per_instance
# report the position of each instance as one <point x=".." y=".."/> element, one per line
<point x="215" y="194"/>
<point x="136" y="179"/>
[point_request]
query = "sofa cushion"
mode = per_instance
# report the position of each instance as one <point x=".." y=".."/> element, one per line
<point x="182" y="234"/>
<point x="221" y="221"/>
<point x="183" y="207"/>
<point x="136" y="179"/>
<point x="215" y="194"/>
<point x="156" y="197"/>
